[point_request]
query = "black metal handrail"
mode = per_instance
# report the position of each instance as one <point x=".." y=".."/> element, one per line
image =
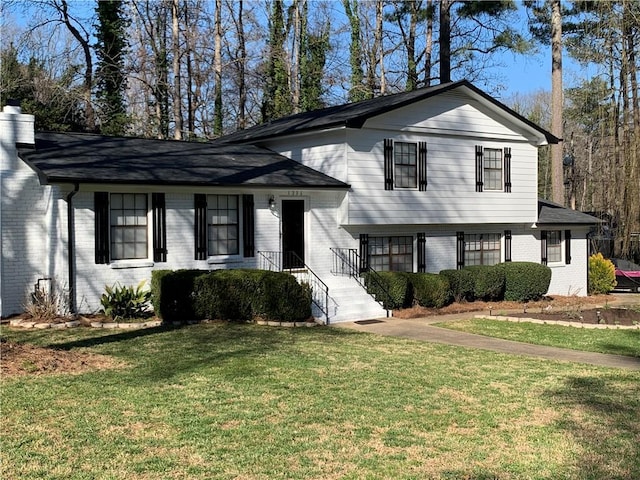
<point x="346" y="261"/>
<point x="272" y="260"/>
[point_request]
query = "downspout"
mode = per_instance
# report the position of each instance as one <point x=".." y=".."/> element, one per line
<point x="71" y="248"/>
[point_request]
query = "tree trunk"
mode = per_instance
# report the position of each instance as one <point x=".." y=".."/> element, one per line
<point x="557" y="183"/>
<point x="445" y="41"/>
<point x="428" y="50"/>
<point x="242" y="61"/>
<point x="177" y="90"/>
<point x="217" y="68"/>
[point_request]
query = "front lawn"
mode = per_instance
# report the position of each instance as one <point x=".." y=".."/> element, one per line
<point x="612" y="341"/>
<point x="230" y="401"/>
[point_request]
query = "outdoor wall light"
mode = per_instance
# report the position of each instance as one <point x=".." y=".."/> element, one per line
<point x="272" y="202"/>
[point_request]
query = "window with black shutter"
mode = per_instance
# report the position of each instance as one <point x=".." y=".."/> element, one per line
<point x="543" y="247"/>
<point x="459" y="250"/>
<point x="422" y="166"/>
<point x="101" y="206"/>
<point x="507" y="169"/>
<point x="364" y="252"/>
<point x="248" y="226"/>
<point x="158" y="208"/>
<point x="200" y="226"/>
<point x="388" y="164"/>
<point x="405" y="165"/>
<point x="479" y="155"/>
<point x="422" y="253"/>
<point x="507" y="245"/>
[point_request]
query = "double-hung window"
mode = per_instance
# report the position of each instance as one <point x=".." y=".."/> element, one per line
<point x="217" y="225"/>
<point x="493" y="169"/>
<point x="391" y="254"/>
<point x="482" y="249"/>
<point x="129" y="226"/>
<point x="124" y="224"/>
<point x="405" y="165"/>
<point x="222" y="225"/>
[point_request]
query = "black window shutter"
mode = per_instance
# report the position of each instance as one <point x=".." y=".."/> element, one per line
<point x="248" y="226"/>
<point x="422" y="166"/>
<point x="459" y="250"/>
<point x="567" y="247"/>
<point x="507" y="245"/>
<point x="479" y="182"/>
<point x="507" y="169"/>
<point x="422" y="253"/>
<point x="388" y="164"/>
<point x="543" y="246"/>
<point x="200" y="231"/>
<point x="364" y="252"/>
<point x="159" y="213"/>
<point x="101" y="205"/>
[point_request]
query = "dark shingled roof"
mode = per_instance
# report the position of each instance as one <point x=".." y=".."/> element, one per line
<point x="89" y="158"/>
<point x="354" y="115"/>
<point x="550" y="213"/>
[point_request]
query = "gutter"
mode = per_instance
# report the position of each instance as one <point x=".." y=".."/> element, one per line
<point x="71" y="247"/>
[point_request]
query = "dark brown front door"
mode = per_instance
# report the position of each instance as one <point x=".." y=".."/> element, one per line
<point x="293" y="233"/>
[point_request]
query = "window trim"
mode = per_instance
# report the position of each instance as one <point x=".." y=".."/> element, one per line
<point x="505" y="169"/>
<point x="482" y="251"/>
<point x="544" y="245"/>
<point x="389" y="244"/>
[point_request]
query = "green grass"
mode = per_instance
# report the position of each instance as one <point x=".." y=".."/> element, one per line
<point x="229" y="401"/>
<point x="612" y="341"/>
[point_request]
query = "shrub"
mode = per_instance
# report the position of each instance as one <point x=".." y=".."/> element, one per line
<point x="602" y="274"/>
<point x="230" y="295"/>
<point x="173" y="294"/>
<point x="525" y="281"/>
<point x="488" y="282"/>
<point x="125" y="303"/>
<point x="46" y="305"/>
<point x="461" y="283"/>
<point x="393" y="289"/>
<point x="430" y="290"/>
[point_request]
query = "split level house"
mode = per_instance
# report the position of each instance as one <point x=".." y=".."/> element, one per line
<point x="437" y="178"/>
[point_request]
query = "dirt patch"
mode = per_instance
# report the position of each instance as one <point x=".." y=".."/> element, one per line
<point x="23" y="359"/>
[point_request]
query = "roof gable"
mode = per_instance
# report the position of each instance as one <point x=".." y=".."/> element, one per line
<point x="354" y="115"/>
<point x="89" y="158"/>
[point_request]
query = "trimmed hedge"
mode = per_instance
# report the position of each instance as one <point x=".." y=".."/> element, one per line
<point x="525" y="281"/>
<point x="229" y="295"/>
<point x="172" y="294"/>
<point x="395" y="283"/>
<point x="488" y="282"/>
<point x="461" y="283"/>
<point x="430" y="290"/>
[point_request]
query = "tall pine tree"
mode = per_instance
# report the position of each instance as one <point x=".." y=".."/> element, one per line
<point x="110" y="77"/>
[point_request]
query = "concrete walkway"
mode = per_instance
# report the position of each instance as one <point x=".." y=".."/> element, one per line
<point x="424" y="330"/>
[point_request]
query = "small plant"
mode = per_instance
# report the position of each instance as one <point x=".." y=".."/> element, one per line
<point x="602" y="274"/>
<point x="46" y="305"/>
<point x="125" y="303"/>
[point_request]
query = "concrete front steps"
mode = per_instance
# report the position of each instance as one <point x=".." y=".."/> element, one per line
<point x="348" y="301"/>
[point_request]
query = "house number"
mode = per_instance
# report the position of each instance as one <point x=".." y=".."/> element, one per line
<point x="294" y="193"/>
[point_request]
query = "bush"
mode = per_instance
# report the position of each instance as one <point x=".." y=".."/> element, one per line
<point x="488" y="282"/>
<point x="525" y="281"/>
<point x="602" y="274"/>
<point x="125" y="303"/>
<point x="230" y="295"/>
<point x="461" y="283"/>
<point x="172" y="294"/>
<point x="393" y="289"/>
<point x="430" y="290"/>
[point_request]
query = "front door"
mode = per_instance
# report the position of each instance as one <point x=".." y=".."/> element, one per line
<point x="293" y="233"/>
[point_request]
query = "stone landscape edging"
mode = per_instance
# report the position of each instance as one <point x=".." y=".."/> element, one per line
<point x="601" y="326"/>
